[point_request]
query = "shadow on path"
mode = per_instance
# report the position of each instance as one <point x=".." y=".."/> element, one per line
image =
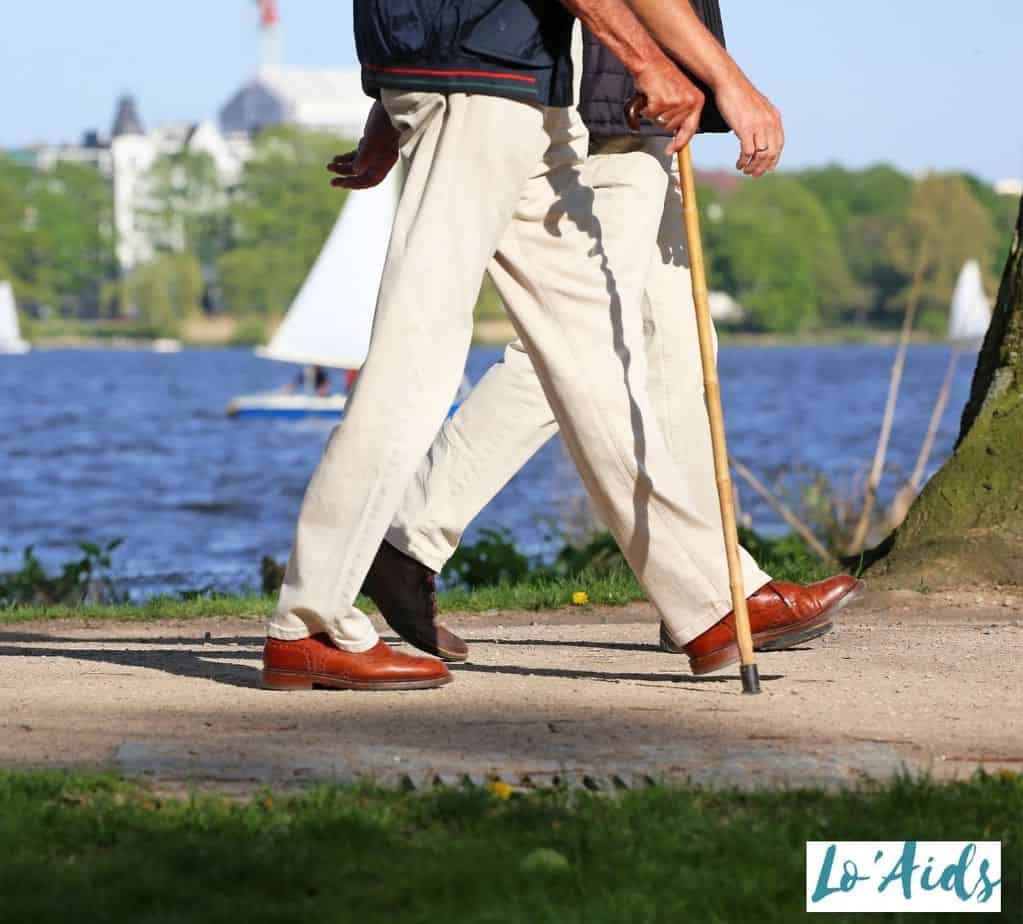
<point x="205" y="662"/>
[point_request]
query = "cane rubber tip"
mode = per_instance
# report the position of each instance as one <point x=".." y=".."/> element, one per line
<point x="750" y="674"/>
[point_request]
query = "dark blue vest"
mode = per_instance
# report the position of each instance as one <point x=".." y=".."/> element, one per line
<point x="515" y="48"/>
<point x="607" y="85"/>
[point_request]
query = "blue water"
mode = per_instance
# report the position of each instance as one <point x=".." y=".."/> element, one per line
<point x="116" y="444"/>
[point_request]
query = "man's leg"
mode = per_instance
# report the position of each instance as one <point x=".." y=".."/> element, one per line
<point x="469" y="157"/>
<point x="675" y="376"/>
<point x="584" y="334"/>
<point x="507" y="418"/>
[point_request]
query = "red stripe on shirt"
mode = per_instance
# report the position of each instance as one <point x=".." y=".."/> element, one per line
<point x="521" y="78"/>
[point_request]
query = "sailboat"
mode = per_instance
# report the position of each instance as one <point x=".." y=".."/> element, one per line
<point x="970" y="315"/>
<point x="329" y="323"/>
<point x="10" y="333"/>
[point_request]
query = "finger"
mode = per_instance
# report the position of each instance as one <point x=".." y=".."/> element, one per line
<point x="759" y="163"/>
<point x="747" y="148"/>
<point x="771" y="136"/>
<point x="657" y="116"/>
<point x="364" y="180"/>
<point x="765" y="151"/>
<point x="684" y="134"/>
<point x="745" y="159"/>
<point x="344" y="168"/>
<point x="345" y="158"/>
<point x="353" y="182"/>
<point x="673" y="119"/>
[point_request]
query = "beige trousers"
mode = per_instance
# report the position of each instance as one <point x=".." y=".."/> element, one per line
<point x="491" y="179"/>
<point x="507" y="418"/>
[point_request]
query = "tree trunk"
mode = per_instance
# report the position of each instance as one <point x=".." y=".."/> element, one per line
<point x="966" y="527"/>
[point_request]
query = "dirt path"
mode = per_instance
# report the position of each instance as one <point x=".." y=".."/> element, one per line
<point x="931" y="683"/>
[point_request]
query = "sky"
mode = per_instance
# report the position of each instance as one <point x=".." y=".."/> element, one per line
<point x="916" y="83"/>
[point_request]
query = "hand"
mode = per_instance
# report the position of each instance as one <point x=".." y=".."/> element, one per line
<point x="673" y="102"/>
<point x="755" y="121"/>
<point x="373" y="159"/>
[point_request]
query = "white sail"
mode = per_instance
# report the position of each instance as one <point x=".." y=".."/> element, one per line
<point x="971" y="311"/>
<point x="330" y="320"/>
<point x="10" y="334"/>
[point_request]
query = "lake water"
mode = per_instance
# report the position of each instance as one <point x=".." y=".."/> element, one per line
<point x="104" y="444"/>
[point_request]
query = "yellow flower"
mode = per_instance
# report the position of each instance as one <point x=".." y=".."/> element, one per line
<point x="500" y="790"/>
<point x="580" y="598"/>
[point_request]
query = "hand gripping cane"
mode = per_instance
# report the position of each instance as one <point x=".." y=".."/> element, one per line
<point x="744" y="636"/>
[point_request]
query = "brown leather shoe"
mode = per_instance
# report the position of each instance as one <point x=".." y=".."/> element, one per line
<point x="781" y="616"/>
<point x="314" y="662"/>
<point x="405" y="590"/>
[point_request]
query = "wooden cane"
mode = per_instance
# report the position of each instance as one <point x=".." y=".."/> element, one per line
<point x="749" y="671"/>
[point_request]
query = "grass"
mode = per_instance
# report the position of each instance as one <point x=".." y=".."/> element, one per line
<point x="100" y="849"/>
<point x="785" y="559"/>
<point x="159" y="608"/>
<point x="615" y="589"/>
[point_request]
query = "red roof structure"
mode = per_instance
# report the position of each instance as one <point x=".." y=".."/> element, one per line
<point x="269" y="15"/>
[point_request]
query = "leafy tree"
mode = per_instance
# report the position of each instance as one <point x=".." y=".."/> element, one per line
<point x="866" y="206"/>
<point x="1003" y="214"/>
<point x="967" y="524"/>
<point x="946" y="226"/>
<point x="188" y="210"/>
<point x="20" y="258"/>
<point x="70" y="216"/>
<point x="776" y="249"/>
<point x="166" y="291"/>
<point x="280" y="217"/>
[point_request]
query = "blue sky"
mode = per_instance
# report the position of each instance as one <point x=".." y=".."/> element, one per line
<point x="917" y="83"/>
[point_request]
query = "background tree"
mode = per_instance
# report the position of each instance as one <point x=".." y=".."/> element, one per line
<point x="188" y="207"/>
<point x="165" y="291"/>
<point x="72" y="217"/>
<point x="21" y="258"/>
<point x="776" y="249"/>
<point x="280" y="217"/>
<point x="967" y="524"/>
<point x="945" y="226"/>
<point x="866" y="206"/>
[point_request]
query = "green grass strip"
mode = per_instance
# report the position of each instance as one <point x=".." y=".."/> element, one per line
<point x="616" y="589"/>
<point x="99" y="849"/>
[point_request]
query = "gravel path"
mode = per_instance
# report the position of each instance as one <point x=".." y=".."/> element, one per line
<point x="924" y="682"/>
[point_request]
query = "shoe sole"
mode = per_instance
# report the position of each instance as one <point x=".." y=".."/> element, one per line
<point x="303" y="680"/>
<point x="777" y="639"/>
<point x="764" y="641"/>
<point x="450" y="657"/>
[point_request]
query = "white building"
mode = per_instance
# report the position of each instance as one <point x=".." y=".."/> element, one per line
<point x="321" y="100"/>
<point x="133" y="154"/>
<point x="127" y="159"/>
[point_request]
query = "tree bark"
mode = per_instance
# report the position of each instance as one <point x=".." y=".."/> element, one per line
<point x="966" y="527"/>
